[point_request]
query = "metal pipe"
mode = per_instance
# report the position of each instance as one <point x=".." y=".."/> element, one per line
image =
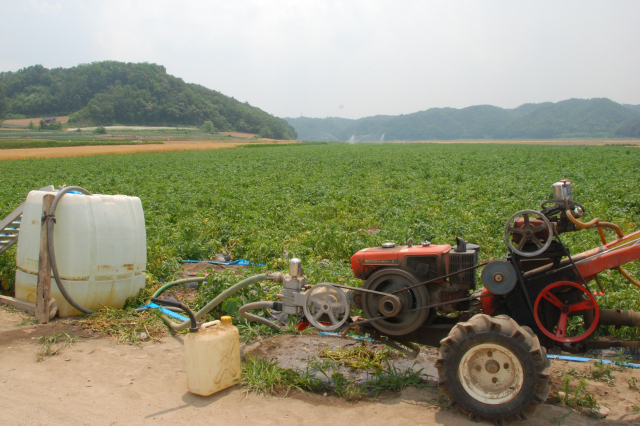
<point x="619" y="317"/>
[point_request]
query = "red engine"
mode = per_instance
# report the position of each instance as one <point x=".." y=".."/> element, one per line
<point x="425" y="262"/>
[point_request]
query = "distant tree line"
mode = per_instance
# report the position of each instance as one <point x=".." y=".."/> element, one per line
<point x="573" y="118"/>
<point x="105" y="93"/>
<point x="51" y="126"/>
<point x="628" y="129"/>
<point x="3" y="103"/>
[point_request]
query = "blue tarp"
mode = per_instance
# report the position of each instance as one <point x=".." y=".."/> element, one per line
<point x="166" y="311"/>
<point x="9" y="233"/>
<point x="581" y="359"/>
<point x="241" y="262"/>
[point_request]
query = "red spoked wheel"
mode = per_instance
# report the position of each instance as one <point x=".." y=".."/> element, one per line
<point x="566" y="309"/>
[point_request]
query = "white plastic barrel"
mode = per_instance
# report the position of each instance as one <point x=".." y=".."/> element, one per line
<point x="212" y="357"/>
<point x="101" y="250"/>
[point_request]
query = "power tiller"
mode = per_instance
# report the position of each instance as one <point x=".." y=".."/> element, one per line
<point x="493" y="340"/>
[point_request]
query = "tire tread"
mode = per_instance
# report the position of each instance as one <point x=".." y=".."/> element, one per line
<point x="509" y="328"/>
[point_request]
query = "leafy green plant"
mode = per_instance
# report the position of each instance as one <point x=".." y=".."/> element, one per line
<point x="8" y="269"/>
<point x="577" y="396"/>
<point x="393" y="379"/>
<point x="267" y="378"/>
<point x="602" y="372"/>
<point x="250" y="331"/>
<point x="347" y="388"/>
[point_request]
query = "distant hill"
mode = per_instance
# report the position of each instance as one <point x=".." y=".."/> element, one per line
<point x="106" y="93"/>
<point x="573" y="118"/>
<point x="628" y="129"/>
<point x="633" y="107"/>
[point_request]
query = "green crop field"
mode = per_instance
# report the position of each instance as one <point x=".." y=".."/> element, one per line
<point x="323" y="203"/>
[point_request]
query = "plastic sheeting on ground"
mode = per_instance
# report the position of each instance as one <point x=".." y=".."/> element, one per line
<point x="165" y="311"/>
<point x="241" y="262"/>
<point x="581" y="359"/>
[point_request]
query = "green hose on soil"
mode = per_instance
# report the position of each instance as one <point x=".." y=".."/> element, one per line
<point x="174" y="283"/>
<point x="215" y="302"/>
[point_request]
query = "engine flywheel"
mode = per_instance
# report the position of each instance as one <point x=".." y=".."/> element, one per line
<point x="398" y="322"/>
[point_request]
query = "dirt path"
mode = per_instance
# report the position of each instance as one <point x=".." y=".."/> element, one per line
<point x="96" y="382"/>
<point x="82" y="151"/>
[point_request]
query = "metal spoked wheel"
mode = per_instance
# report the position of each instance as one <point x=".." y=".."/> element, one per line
<point x="528" y="226"/>
<point x="390" y="280"/>
<point x="493" y="368"/>
<point x="326" y="307"/>
<point x="568" y="299"/>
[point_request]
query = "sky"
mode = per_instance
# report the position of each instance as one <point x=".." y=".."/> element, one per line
<point x="347" y="59"/>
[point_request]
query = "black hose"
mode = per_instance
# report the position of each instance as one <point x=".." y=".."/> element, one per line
<point x="255" y="318"/>
<point x="177" y="304"/>
<point x="52" y="253"/>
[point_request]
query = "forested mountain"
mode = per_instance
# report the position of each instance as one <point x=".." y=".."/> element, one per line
<point x="3" y="103"/>
<point x="573" y="118"/>
<point x="112" y="92"/>
<point x="628" y="129"/>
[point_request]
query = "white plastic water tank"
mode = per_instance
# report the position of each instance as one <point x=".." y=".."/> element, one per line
<point x="101" y="250"/>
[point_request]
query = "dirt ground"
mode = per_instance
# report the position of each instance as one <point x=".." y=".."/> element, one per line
<point x="36" y="121"/>
<point x="238" y="134"/>
<point x="83" y="151"/>
<point x="193" y="269"/>
<point x="97" y="382"/>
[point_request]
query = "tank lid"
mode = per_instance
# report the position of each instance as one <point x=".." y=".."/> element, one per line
<point x="388" y="245"/>
<point x="225" y="319"/>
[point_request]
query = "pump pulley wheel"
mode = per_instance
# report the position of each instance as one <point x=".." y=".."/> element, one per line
<point x="499" y="276"/>
<point x="572" y="300"/>
<point x="528" y="226"/>
<point x="326" y="307"/>
<point x="397" y="321"/>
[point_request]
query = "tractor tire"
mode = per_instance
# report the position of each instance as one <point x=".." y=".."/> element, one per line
<point x="492" y="368"/>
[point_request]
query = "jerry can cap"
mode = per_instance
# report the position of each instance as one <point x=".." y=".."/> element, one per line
<point x="225" y="319"/>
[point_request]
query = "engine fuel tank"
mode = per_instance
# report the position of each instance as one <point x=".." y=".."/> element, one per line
<point x="426" y="261"/>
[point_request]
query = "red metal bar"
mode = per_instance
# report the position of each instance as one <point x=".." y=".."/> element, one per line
<point x="611" y="260"/>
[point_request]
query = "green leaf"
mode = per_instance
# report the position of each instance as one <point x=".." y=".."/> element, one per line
<point x="231" y="306"/>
